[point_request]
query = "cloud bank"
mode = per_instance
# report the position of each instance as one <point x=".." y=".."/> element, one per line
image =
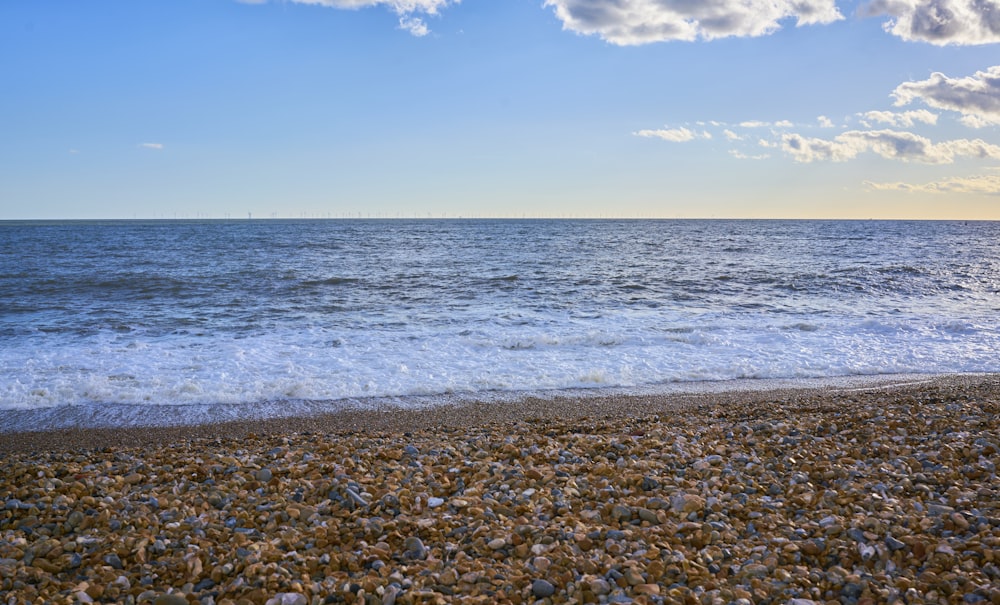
<point x="633" y="22"/>
<point x="940" y="22"/>
<point x="988" y="184"/>
<point x="674" y="135"/>
<point x="889" y="144"/>
<point x="905" y="119"/>
<point x="976" y="97"/>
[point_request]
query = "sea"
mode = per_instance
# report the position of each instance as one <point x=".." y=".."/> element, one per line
<point x="128" y="323"/>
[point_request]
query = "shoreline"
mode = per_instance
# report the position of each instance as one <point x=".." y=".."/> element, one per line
<point x="384" y="416"/>
<point x="880" y="495"/>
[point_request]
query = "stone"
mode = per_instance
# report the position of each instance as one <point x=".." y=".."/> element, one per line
<point x="599" y="586"/>
<point x="648" y="516"/>
<point x="74" y="519"/>
<point x="496" y="544"/>
<point x="413" y="548"/>
<point x="687" y="503"/>
<point x="287" y="598"/>
<point x="542" y="588"/>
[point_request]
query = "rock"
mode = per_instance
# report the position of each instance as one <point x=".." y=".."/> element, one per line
<point x="542" y="588"/>
<point x="633" y="576"/>
<point x="389" y="596"/>
<point x="413" y="549"/>
<point x="687" y="503"/>
<point x="434" y="502"/>
<point x="263" y="475"/>
<point x="287" y="598"/>
<point x="170" y="599"/>
<point x="74" y="519"/>
<point x="599" y="586"/>
<point x="856" y="534"/>
<point x="648" y="516"/>
<point x="355" y="497"/>
<point x="622" y="514"/>
<point x="755" y="571"/>
<point x="938" y="510"/>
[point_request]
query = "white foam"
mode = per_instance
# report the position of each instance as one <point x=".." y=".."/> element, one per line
<point x="624" y="351"/>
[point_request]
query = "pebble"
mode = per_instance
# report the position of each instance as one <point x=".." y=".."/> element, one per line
<point x="542" y="588"/>
<point x="854" y="497"/>
<point x="287" y="598"/>
<point x="413" y="548"/>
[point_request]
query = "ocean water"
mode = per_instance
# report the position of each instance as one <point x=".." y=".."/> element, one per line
<point x="130" y="321"/>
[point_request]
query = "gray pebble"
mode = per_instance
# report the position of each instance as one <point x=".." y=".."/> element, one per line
<point x="542" y="588"/>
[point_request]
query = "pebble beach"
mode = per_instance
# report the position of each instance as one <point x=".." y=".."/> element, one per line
<point x="870" y="495"/>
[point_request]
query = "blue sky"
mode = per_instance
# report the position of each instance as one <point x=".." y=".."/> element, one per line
<point x="639" y="108"/>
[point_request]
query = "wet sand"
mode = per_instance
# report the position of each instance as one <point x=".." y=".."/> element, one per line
<point x="387" y="418"/>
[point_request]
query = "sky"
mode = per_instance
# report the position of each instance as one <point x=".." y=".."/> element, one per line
<point x="500" y="108"/>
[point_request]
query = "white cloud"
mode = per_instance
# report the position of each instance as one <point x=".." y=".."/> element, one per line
<point x="732" y="136"/>
<point x="760" y="124"/>
<point x="633" y="22"/>
<point x="739" y="155"/>
<point x="890" y="144"/>
<point x="904" y="119"/>
<point x="675" y="135"/>
<point x="824" y="122"/>
<point x="414" y="25"/>
<point x="976" y="97"/>
<point x="988" y="184"/>
<point x="404" y="9"/>
<point x="156" y="146"/>
<point x="940" y="22"/>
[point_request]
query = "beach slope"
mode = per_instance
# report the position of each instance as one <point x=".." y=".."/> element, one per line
<point x="834" y="495"/>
